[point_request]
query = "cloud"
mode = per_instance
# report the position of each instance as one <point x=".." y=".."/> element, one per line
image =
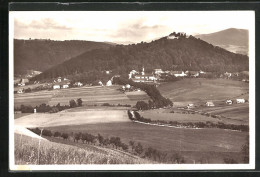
<point x="137" y="31"/>
<point x="45" y="24"/>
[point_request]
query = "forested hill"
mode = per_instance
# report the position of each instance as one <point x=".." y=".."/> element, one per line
<point x="182" y="53"/>
<point x="43" y="54"/>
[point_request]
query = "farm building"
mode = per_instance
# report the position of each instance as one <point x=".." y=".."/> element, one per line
<point x="78" y="84"/>
<point x="23" y="82"/>
<point x="190" y="106"/>
<point x="109" y="83"/>
<point x="226" y="74"/>
<point x="178" y="73"/>
<point x="158" y="71"/>
<point x="56" y="86"/>
<point x="127" y="86"/>
<point x="65" y="86"/>
<point x="229" y="102"/>
<point x="240" y="100"/>
<point x="59" y="79"/>
<point x="210" y="103"/>
<point x="20" y="91"/>
<point x="193" y="73"/>
<point x="100" y="83"/>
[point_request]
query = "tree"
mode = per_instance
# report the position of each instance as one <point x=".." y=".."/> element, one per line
<point x="57" y="134"/>
<point x="100" y="139"/>
<point x="79" y="102"/>
<point x="73" y="103"/>
<point x="141" y="105"/>
<point x="132" y="144"/>
<point x="139" y="148"/>
<point x="65" y="136"/>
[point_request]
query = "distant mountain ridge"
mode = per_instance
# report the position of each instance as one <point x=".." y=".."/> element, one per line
<point x="232" y="39"/>
<point x="168" y="53"/>
<point x="44" y="54"/>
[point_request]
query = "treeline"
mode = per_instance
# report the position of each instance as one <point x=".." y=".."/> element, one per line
<point x="134" y="115"/>
<point x="133" y="147"/>
<point x="178" y="54"/>
<point x="118" y="105"/>
<point x="158" y="101"/>
<point x="43" y="108"/>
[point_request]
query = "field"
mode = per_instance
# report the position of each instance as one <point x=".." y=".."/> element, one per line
<point x="164" y="114"/>
<point x="234" y="114"/>
<point x="229" y="114"/>
<point x="202" y="90"/>
<point x="89" y="95"/>
<point x="84" y="116"/>
<point x="191" y="143"/>
<point x="28" y="152"/>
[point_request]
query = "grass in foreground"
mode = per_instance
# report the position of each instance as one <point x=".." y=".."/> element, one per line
<point x="29" y="151"/>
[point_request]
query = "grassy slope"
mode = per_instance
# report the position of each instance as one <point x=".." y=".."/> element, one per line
<point x="26" y="153"/>
<point x="201" y="90"/>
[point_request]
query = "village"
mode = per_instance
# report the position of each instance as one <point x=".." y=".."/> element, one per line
<point x="156" y="78"/>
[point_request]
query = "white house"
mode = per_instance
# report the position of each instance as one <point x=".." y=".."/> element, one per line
<point x="79" y="84"/>
<point x="178" y="73"/>
<point x="240" y="100"/>
<point x="210" y="103"/>
<point x="190" y="106"/>
<point x="100" y="83"/>
<point x="20" y="91"/>
<point x="127" y="86"/>
<point x="56" y="87"/>
<point x="227" y="74"/>
<point x="109" y="83"/>
<point x="229" y="102"/>
<point x="65" y="86"/>
<point x="158" y="71"/>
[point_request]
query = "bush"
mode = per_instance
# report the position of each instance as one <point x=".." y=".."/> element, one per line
<point x="79" y="102"/>
<point x="46" y="133"/>
<point x="139" y="148"/>
<point x="106" y="104"/>
<point x="65" y="136"/>
<point x="57" y="134"/>
<point x="73" y="103"/>
<point x="26" y="109"/>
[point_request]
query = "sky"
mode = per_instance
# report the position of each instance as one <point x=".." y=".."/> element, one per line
<point x="123" y="26"/>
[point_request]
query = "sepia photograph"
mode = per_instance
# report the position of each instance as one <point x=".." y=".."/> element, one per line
<point x="131" y="90"/>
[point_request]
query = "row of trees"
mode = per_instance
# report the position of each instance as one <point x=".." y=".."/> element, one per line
<point x="47" y="108"/>
<point x="115" y="142"/>
<point x="136" y="116"/>
<point x="158" y="101"/>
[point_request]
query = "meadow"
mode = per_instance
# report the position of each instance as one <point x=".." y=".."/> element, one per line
<point x="201" y="90"/>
